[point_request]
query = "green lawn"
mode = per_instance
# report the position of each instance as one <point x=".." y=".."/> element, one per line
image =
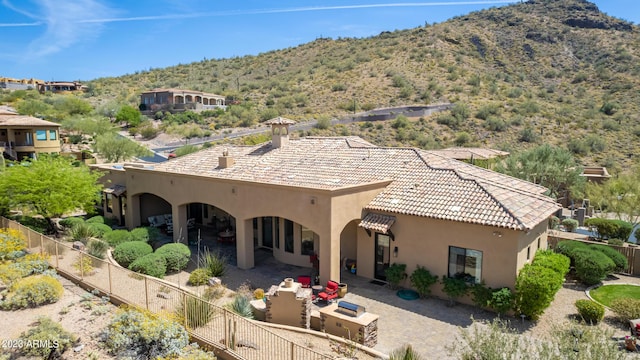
<point x="606" y="293"/>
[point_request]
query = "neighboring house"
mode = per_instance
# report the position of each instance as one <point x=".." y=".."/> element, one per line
<point x="347" y="201"/>
<point x="60" y="86"/>
<point x="171" y="99"/>
<point x="486" y="158"/>
<point x="26" y="136"/>
<point x="19" y="84"/>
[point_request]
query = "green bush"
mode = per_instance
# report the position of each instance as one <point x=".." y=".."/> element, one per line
<point x="591" y="311"/>
<point x="620" y="260"/>
<point x="146" y="234"/>
<point x="610" y="228"/>
<point x="422" y="280"/>
<point x="177" y="255"/>
<point x="47" y="332"/>
<point x="568" y="247"/>
<point x="33" y="291"/>
<point x="554" y="221"/>
<point x="128" y="252"/>
<point x="98" y="219"/>
<point x="199" y="276"/>
<point x="70" y="222"/>
<point x="502" y="300"/>
<point x="395" y="273"/>
<point x="570" y="224"/>
<point x="151" y="264"/>
<point x="554" y="261"/>
<point x="198" y="312"/>
<point x="481" y="295"/>
<point x="97" y="248"/>
<point x="100" y="229"/>
<point x="405" y="352"/>
<point x="135" y="334"/>
<point x="592" y="266"/>
<point x="626" y="309"/>
<point x="117" y="237"/>
<point x="536" y="286"/>
<point x="454" y="288"/>
<point x="616" y="242"/>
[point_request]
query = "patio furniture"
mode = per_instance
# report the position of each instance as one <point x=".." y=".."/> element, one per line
<point x="305" y="281"/>
<point x="227" y="236"/>
<point x="330" y="292"/>
<point x="635" y="327"/>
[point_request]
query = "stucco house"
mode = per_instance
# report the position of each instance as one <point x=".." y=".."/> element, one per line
<point x="171" y="99"/>
<point x="345" y="199"/>
<point x="26" y="136"/>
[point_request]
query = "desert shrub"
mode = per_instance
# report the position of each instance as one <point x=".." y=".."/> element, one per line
<point x="97" y="248"/>
<point x="591" y="311"/>
<point x="214" y="292"/>
<point x="199" y="276"/>
<point x="610" y="228"/>
<point x="128" y="252"/>
<point x="151" y="264"/>
<point x="241" y="306"/>
<point x="70" y="222"/>
<point x="135" y="334"/>
<point x="82" y="232"/>
<point x="194" y="312"/>
<point x="495" y="124"/>
<point x="454" y="287"/>
<point x="47" y="332"/>
<point x="177" y="255"/>
<point x="146" y="234"/>
<point x="214" y="262"/>
<point x="570" y="224"/>
<point x="31" y="264"/>
<point x="395" y="273"/>
<point x="36" y="224"/>
<point x="620" y="260"/>
<point x="117" y="237"/>
<point x="422" y="280"/>
<point x="405" y="352"/>
<point x="83" y="265"/>
<point x="554" y="221"/>
<point x="481" y="295"/>
<point x="592" y="266"/>
<point x="536" y="286"/>
<point x="258" y="294"/>
<point x="616" y="242"/>
<point x="626" y="309"/>
<point x="554" y="261"/>
<point x="11" y="241"/>
<point x="32" y="291"/>
<point x="100" y="229"/>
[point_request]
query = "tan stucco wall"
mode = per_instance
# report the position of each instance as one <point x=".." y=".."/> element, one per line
<point x="284" y="307"/>
<point x="425" y="242"/>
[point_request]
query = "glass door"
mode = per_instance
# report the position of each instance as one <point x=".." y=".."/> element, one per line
<point x="267" y="231"/>
<point x="382" y="256"/>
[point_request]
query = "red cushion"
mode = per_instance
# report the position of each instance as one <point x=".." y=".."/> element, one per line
<point x="332" y="285"/>
<point x="638" y="326"/>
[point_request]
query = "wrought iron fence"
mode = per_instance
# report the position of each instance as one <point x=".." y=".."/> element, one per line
<point x="217" y="326"/>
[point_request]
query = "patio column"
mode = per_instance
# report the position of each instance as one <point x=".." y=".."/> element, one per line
<point x="244" y="243"/>
<point x="132" y="216"/>
<point x="179" y="218"/>
<point x="329" y="256"/>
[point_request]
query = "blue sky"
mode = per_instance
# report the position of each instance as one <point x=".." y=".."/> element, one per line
<point x="88" y="39"/>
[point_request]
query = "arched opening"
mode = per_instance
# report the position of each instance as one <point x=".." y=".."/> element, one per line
<point x="188" y="99"/>
<point x="349" y="247"/>
<point x="205" y="101"/>
<point x="198" y="99"/>
<point x="154" y="210"/>
<point x="178" y="99"/>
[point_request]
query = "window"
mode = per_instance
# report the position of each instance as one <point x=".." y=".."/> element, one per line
<point x="53" y="135"/>
<point x="307" y="241"/>
<point x="41" y="135"/>
<point x="288" y="236"/>
<point x="109" y="200"/>
<point x="528" y="252"/>
<point x="538" y="243"/>
<point x="465" y="264"/>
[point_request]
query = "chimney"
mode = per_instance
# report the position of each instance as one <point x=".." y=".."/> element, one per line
<point x="279" y="131"/>
<point x="225" y="160"/>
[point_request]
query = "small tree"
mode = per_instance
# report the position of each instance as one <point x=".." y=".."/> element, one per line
<point x="422" y="280"/>
<point x="570" y="224"/>
<point x="114" y="148"/>
<point x="130" y="115"/>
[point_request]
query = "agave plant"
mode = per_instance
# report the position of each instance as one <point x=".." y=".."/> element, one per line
<point x="241" y="306"/>
<point x="82" y="232"/>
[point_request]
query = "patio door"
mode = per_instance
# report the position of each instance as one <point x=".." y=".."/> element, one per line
<point x="382" y="255"/>
<point x="267" y="232"/>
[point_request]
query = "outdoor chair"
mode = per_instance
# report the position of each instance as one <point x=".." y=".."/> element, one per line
<point x="305" y="280"/>
<point x="634" y="325"/>
<point x="330" y="292"/>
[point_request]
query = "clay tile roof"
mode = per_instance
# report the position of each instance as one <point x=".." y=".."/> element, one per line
<point x="279" y="121"/>
<point x="470" y="153"/>
<point x="24" y="120"/>
<point x="420" y="183"/>
<point x="377" y="222"/>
